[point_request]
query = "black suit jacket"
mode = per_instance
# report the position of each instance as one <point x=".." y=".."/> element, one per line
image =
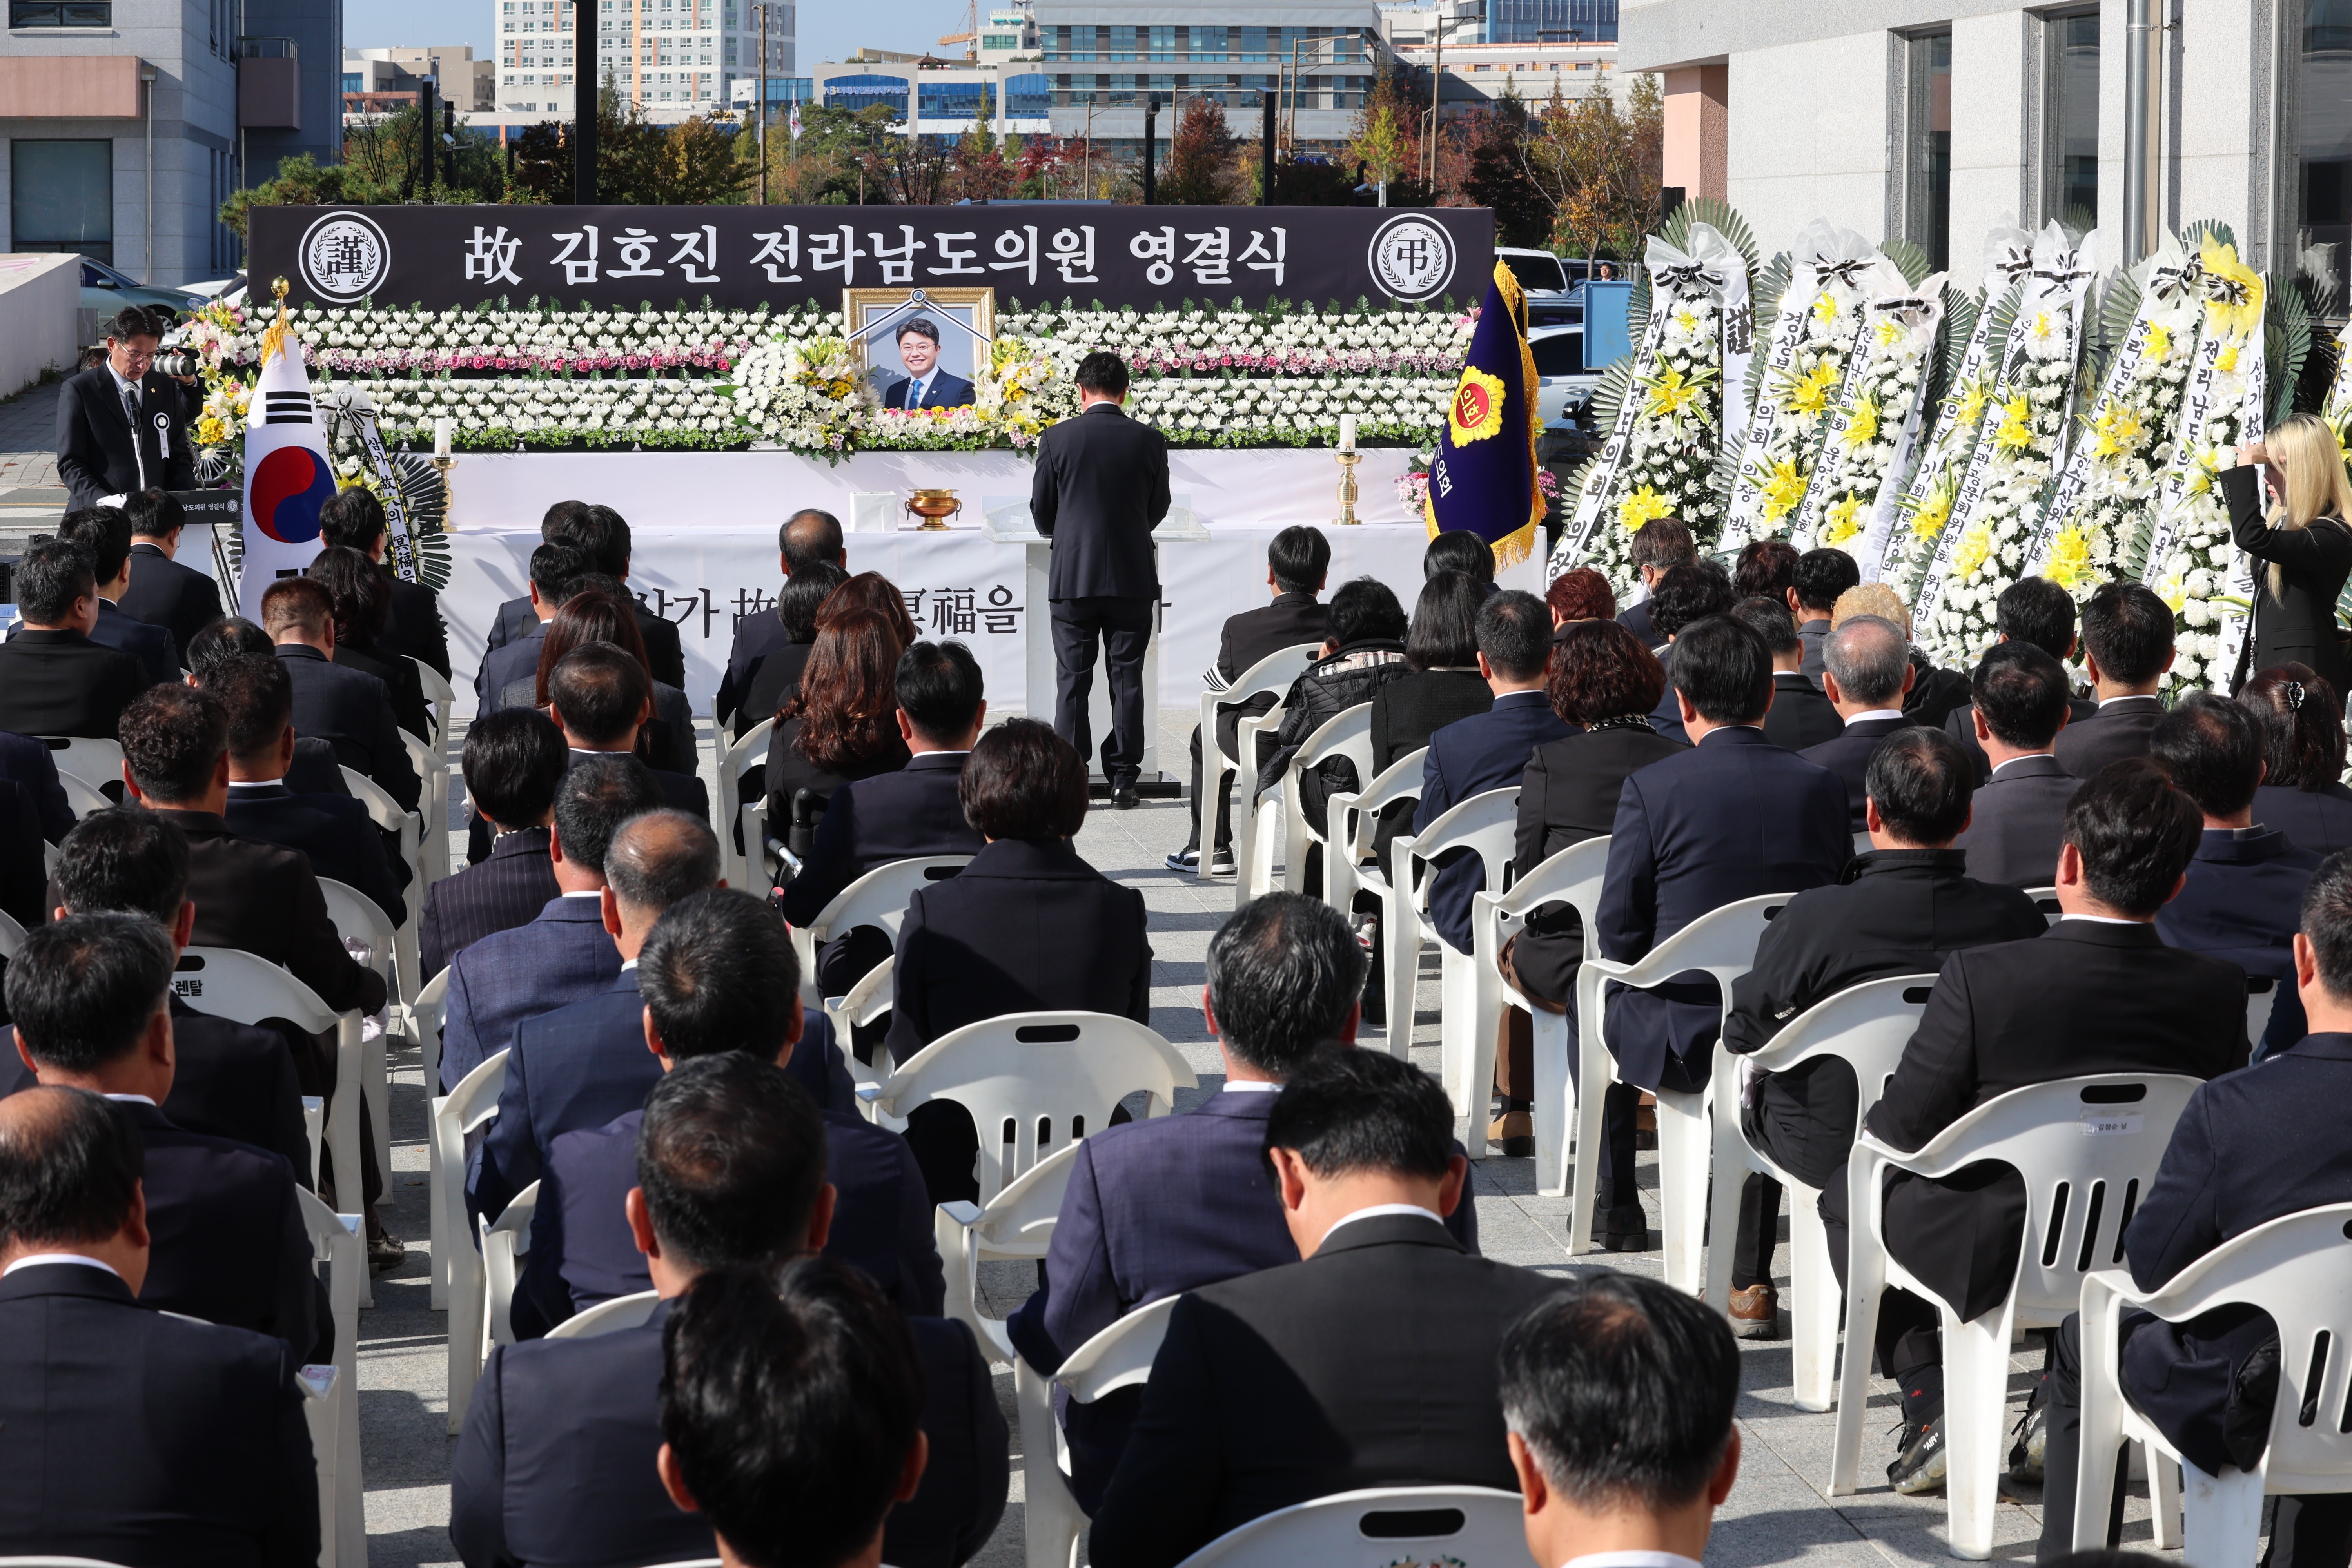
<point x="232" y="1081"/>
<point x="2082" y="998"/>
<point x="153" y="1440"/>
<point x="507" y="663"/>
<point x="1961" y="725"/>
<point x="507" y="889"/>
<point x="1800" y="716"/>
<point x="417" y="629"/>
<point x="2120" y="729"/>
<point x="789" y="771"/>
<point x="353" y="711"/>
<point x="61" y="683"/>
<point x="773" y="681"/>
<point x="2250" y="1147"/>
<point x="1848" y="756"/>
<point x="98" y="452"/>
<point x="2319" y="820"/>
<point x="125" y="633"/>
<point x="582" y="1252"/>
<point x="868" y="823"/>
<point x="1025" y="926"/>
<point x="556" y="1461"/>
<point x="1370" y="1363"/>
<point x="2243" y="901"/>
<point x="1635" y="619"/>
<point x="23" y="876"/>
<point x="757" y="637"/>
<point x="665" y="655"/>
<point x="29" y="762"/>
<point x="1488" y="750"/>
<point x="944" y="391"/>
<point x="2312" y="563"/>
<point x="265" y="898"/>
<point x="2017" y="820"/>
<point x="1406" y="712"/>
<point x="1253" y="635"/>
<point x="1101" y="487"/>
<point x="334" y="832"/>
<point x="409" y="708"/>
<point x="162" y="593"/>
<point x="315" y="771"/>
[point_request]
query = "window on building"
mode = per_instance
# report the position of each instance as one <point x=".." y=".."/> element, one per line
<point x="2322" y="149"/>
<point x="2070" y="119"/>
<point x="60" y="13"/>
<point x="1552" y="21"/>
<point x="61" y="196"/>
<point x="1927" y="146"/>
<point x="1122" y="43"/>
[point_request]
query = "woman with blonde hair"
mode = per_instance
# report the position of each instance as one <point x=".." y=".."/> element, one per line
<point x="2305" y="544"/>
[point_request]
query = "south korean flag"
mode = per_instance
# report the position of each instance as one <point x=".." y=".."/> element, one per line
<point x="288" y="473"/>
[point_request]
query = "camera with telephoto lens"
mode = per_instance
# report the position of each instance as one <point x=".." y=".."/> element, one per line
<point x="179" y="362"/>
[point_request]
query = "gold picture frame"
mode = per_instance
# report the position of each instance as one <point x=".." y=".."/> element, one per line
<point x="874" y="315"/>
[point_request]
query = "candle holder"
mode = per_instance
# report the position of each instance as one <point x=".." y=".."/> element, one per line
<point x="1348" y="490"/>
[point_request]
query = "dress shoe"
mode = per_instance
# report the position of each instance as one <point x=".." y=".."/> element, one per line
<point x="1123" y="799"/>
<point x="1625" y="1228"/>
<point x="386" y="1252"/>
<point x="1755" y="1313"/>
<point x="1514" y="1132"/>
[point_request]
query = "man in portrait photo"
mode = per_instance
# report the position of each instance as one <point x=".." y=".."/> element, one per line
<point x="926" y="386"/>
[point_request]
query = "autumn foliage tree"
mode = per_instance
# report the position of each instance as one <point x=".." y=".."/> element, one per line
<point x="1200" y="172"/>
<point x="1598" y="167"/>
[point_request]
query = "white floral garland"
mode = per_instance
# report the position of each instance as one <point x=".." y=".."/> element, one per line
<point x="1861" y="472"/>
<point x="2192" y="562"/>
<point x="2000" y="501"/>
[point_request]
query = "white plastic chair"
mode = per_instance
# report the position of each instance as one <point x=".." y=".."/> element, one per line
<point x="2297" y="1268"/>
<point x="1862" y="844"/>
<point x="432" y="766"/>
<point x="2079" y="1156"/>
<point x="1487" y="826"/>
<point x="1722" y="943"/>
<point x="1269" y="676"/>
<point x="334" y="1417"/>
<point x="419" y="1021"/>
<point x="357" y="918"/>
<point x="79" y="1562"/>
<point x="229" y="982"/>
<point x="1017" y="1223"/>
<point x="1347" y="1531"/>
<point x="82" y="797"/>
<point x="387" y="815"/>
<point x="863" y="1003"/>
<point x="1353" y="818"/>
<point x="1054" y="1075"/>
<point x="1572" y="876"/>
<point x="1247" y="851"/>
<point x="1865" y="1026"/>
<point x="2046" y="900"/>
<point x="877" y="898"/>
<point x="2262" y="995"/>
<point x="505" y="1240"/>
<point x="734" y="762"/>
<point x="473" y="1103"/>
<point x="1347" y="734"/>
<point x="12" y="935"/>
<point x="607" y="1316"/>
<point x="91" y="760"/>
<point x="1119" y="1357"/>
<point x="439" y="692"/>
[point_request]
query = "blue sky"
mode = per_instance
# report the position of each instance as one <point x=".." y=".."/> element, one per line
<point x="829" y="29"/>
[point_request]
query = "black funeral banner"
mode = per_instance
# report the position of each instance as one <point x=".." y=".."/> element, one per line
<point x="740" y="256"/>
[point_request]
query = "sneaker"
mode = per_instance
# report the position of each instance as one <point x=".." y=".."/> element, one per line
<point x="1183" y="860"/>
<point x="2033" y="1444"/>
<point x="1514" y="1132"/>
<point x="386" y="1252"/>
<point x="1920" y="1458"/>
<point x="1221" y="863"/>
<point x="1366" y="927"/>
<point x="1755" y="1313"/>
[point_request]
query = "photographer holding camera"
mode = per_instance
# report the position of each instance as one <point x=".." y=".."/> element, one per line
<point x="122" y="425"/>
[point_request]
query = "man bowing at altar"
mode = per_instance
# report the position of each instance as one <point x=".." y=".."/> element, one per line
<point x="1101" y="487"/>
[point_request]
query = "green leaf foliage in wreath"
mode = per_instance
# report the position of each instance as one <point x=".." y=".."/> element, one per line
<point x="1770" y="284"/>
<point x="2286" y="340"/>
<point x="1959" y="325"/>
<point x="1908" y="259"/>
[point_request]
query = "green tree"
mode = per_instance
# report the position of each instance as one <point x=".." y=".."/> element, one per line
<point x="694" y="162"/>
<point x="1498" y="176"/>
<point x="1598" y="166"/>
<point x="382" y="164"/>
<point x="1382" y="145"/>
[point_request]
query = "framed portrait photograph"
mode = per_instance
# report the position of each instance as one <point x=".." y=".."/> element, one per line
<point x="921" y="348"/>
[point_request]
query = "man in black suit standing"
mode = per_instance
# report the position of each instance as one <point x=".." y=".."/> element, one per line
<point x="2037" y="611"/>
<point x="2243" y="898"/>
<point x="717" y="973"/>
<point x="1296" y="562"/>
<point x="899" y="815"/>
<point x="2099" y="991"/>
<point x="2020" y="710"/>
<point x="1101" y="487"/>
<point x="1657" y="547"/>
<point x="1821" y="576"/>
<point x="229" y="1080"/>
<point x="54" y="681"/>
<point x="162" y="593"/>
<point x="1865" y="672"/>
<point x="1734" y="817"/>
<point x="925" y="384"/>
<point x="602" y="699"/>
<point x="808" y="537"/>
<point x="149" y="1434"/>
<point x="347" y="706"/>
<point x="2127" y="649"/>
<point x="1800" y="716"/>
<point x="1898" y="909"/>
<point x="103" y="533"/>
<point x="90" y="996"/>
<point x="120" y="425"/>
<point x="2247" y="1149"/>
<point x="1369" y="1364"/>
<point x="556" y="1460"/>
<point x="512" y="763"/>
<point x="354" y="519"/>
<point x="333" y="832"/>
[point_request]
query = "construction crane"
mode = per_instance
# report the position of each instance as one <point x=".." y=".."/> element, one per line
<point x="970" y="37"/>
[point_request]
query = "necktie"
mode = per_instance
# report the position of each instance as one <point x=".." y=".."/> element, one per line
<point x="915" y="393"/>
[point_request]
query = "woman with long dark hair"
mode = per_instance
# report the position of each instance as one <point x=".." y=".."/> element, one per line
<point x="361" y="596"/>
<point x="2303" y="794"/>
<point x="842" y="724"/>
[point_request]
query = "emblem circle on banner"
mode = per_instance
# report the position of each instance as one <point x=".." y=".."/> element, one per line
<point x="1411" y="258"/>
<point x="345" y="255"/>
